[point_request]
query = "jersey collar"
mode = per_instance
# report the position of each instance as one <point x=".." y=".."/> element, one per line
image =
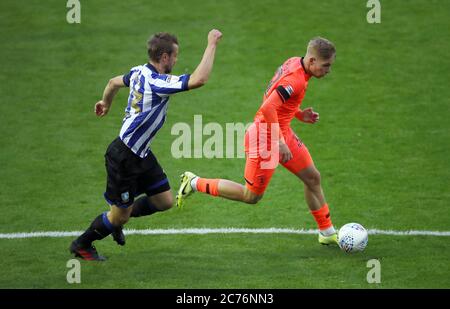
<point x="304" y="70"/>
<point x="151" y="67"/>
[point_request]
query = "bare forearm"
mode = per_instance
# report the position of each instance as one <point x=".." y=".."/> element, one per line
<point x="109" y="93"/>
<point x="114" y="84"/>
<point x="201" y="73"/>
<point x="203" y="70"/>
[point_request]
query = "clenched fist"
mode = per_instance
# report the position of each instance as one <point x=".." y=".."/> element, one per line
<point x="101" y="108"/>
<point x="214" y="36"/>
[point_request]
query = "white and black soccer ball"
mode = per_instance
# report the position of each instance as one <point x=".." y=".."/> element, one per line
<point x="353" y="237"/>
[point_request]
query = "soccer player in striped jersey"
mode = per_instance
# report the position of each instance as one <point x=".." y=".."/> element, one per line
<point x="131" y="167"/>
<point x="271" y="131"/>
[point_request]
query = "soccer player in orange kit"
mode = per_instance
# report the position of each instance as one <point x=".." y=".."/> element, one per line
<point x="270" y="140"/>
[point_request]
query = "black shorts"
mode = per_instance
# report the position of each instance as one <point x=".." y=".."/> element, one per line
<point x="129" y="175"/>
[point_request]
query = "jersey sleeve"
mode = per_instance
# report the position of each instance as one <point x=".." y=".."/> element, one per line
<point x="166" y="85"/>
<point x="126" y="77"/>
<point x="288" y="88"/>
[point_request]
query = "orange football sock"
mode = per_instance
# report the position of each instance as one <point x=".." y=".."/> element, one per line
<point x="322" y="217"/>
<point x="209" y="186"/>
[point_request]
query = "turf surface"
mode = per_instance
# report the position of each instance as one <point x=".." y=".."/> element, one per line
<point x="382" y="144"/>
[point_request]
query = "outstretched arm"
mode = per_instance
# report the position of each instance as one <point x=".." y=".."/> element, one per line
<point x="111" y="89"/>
<point x="201" y="73"/>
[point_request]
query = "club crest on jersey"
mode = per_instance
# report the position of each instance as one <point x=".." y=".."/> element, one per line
<point x="168" y="78"/>
<point x="125" y="197"/>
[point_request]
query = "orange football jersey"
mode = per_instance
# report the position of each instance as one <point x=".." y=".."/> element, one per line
<point x="290" y="81"/>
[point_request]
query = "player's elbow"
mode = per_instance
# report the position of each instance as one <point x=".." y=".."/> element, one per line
<point x="269" y="115"/>
<point x="198" y="79"/>
<point x="197" y="82"/>
<point x="115" y="83"/>
<point x="202" y="81"/>
<point x="265" y="111"/>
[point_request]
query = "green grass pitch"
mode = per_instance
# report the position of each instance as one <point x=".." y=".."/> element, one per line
<point x="382" y="144"/>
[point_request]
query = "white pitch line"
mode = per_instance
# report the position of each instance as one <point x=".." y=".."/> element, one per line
<point x="202" y="231"/>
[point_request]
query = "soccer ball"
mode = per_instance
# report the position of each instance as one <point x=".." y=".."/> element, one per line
<point x="353" y="237"/>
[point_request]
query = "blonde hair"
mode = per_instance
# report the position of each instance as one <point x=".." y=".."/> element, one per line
<point x="321" y="47"/>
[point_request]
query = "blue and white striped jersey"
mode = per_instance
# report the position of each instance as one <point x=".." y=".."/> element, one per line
<point x="147" y="105"/>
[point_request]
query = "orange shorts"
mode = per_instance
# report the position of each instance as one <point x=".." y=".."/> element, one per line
<point x="260" y="165"/>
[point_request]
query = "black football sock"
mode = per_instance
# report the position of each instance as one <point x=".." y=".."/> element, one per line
<point x="143" y="207"/>
<point x="99" y="229"/>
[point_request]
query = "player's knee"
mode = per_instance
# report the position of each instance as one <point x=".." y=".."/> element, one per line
<point x="122" y="220"/>
<point x="162" y="203"/>
<point x="251" y="198"/>
<point x="166" y="204"/>
<point x="119" y="219"/>
<point x="313" y="178"/>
